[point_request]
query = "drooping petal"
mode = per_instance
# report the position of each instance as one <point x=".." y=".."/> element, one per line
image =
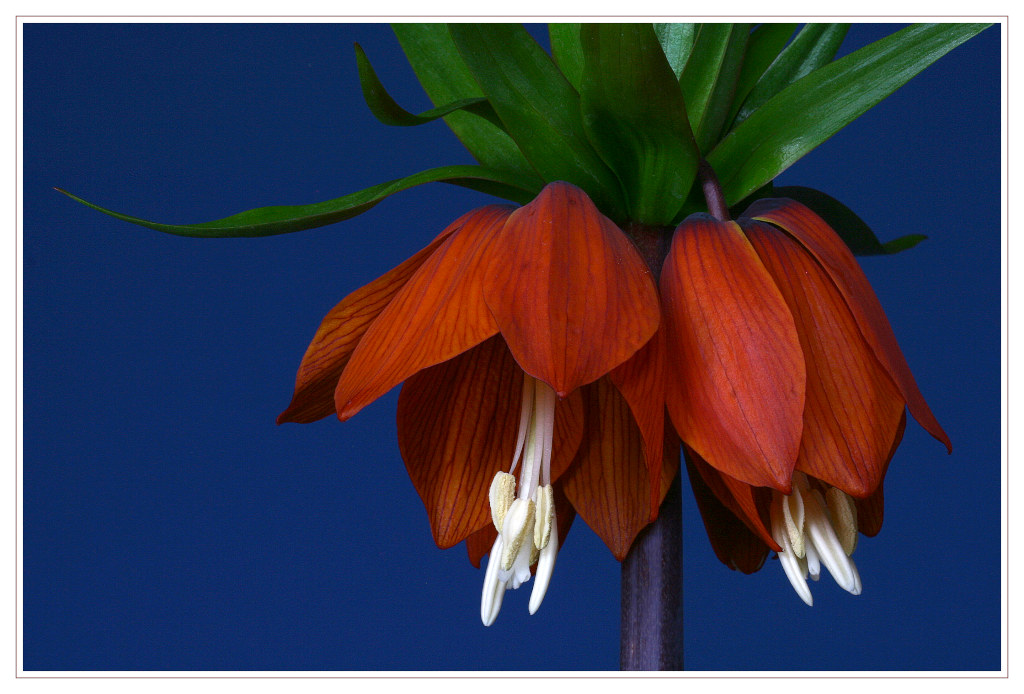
<point x="457" y="426"/>
<point x="641" y="380"/>
<point x="732" y="541"/>
<point x="736" y="371"/>
<point x="826" y="246"/>
<point x="870" y="510"/>
<point x="568" y="434"/>
<point x="749" y="504"/>
<point x="608" y="482"/>
<point x="338" y="335"/>
<point x="853" y="408"/>
<point x="570" y="294"/>
<point x="439" y="313"/>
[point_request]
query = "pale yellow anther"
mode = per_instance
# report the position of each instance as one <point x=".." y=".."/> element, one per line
<point x="520" y="521"/>
<point x="844" y="518"/>
<point x="793" y="515"/>
<point x="545" y="516"/>
<point x="501" y="495"/>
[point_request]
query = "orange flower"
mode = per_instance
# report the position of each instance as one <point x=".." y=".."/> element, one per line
<point x="790" y="388"/>
<point x="523" y="337"/>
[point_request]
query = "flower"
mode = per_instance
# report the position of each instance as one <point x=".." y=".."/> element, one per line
<point x="791" y="389"/>
<point x="524" y="340"/>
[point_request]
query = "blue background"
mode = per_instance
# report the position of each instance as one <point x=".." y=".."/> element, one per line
<point x="170" y="525"/>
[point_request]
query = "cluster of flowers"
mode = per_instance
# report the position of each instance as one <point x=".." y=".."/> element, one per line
<point x="539" y="340"/>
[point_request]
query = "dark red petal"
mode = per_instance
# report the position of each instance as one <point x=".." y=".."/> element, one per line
<point x="569" y="292"/>
<point x="736" y="371"/>
<point x="870" y="510"/>
<point x="749" y="504"/>
<point x="732" y="541"/>
<point x="853" y="408"/>
<point x="568" y="434"/>
<point x="608" y="483"/>
<point x="338" y="335"/>
<point x="457" y="427"/>
<point x="439" y="313"/>
<point x="815" y="235"/>
<point x="641" y="380"/>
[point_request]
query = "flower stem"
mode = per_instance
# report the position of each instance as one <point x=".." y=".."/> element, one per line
<point x="712" y="191"/>
<point x="652" y="592"/>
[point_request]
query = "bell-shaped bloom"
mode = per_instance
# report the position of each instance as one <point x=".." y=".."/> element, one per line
<point x="533" y="389"/>
<point x="793" y="388"/>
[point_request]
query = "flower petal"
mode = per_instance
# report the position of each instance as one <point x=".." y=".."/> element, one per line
<point x="870" y="510"/>
<point x="641" y="380"/>
<point x="853" y="408"/>
<point x="732" y="541"/>
<point x="569" y="292"/>
<point x="439" y="313"/>
<point x="736" y="393"/>
<point x="457" y="427"/>
<point x="338" y="335"/>
<point x="608" y="482"/>
<point x="815" y="235"/>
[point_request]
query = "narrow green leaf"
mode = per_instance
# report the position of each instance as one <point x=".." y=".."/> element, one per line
<point x="634" y="115"/>
<point x="269" y="221"/>
<point x="808" y="112"/>
<point x="765" y="45"/>
<point x="387" y="110"/>
<point x="446" y="79"/>
<point x="850" y="227"/>
<point x="676" y="41"/>
<point x="540" y="109"/>
<point x="567" y="51"/>
<point x="815" y="45"/>
<point x="709" y="80"/>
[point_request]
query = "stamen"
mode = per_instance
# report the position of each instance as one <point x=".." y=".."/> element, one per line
<point x="501" y="495"/>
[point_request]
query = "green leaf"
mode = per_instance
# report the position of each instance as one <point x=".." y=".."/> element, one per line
<point x="850" y="227"/>
<point x="446" y="79"/>
<point x="676" y="41"/>
<point x="765" y="45"/>
<point x="709" y="80"/>
<point x="814" y="46"/>
<point x="268" y="221"/>
<point x="387" y="110"/>
<point x="634" y="115"/>
<point x="567" y="51"/>
<point x="540" y="109"/>
<point x="808" y="112"/>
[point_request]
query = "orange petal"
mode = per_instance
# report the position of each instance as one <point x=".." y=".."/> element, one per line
<point x="569" y="292"/>
<point x="457" y="427"/>
<point x="338" y="335"/>
<point x="568" y="434"/>
<point x="732" y="541"/>
<point x="870" y="510"/>
<point x="736" y="388"/>
<point x="440" y="312"/>
<point x="853" y="408"/>
<point x="826" y="246"/>
<point x="608" y="483"/>
<point x="749" y="504"/>
<point x="641" y="380"/>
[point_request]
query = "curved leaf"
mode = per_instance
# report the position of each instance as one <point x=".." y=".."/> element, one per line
<point x="633" y="114"/>
<point x="567" y="51"/>
<point x="709" y="80"/>
<point x="676" y="41"/>
<point x="808" y="112"/>
<point x="446" y="79"/>
<point x="387" y="110"/>
<point x="284" y="219"/>
<point x="540" y="109"/>
<point x="851" y="228"/>
<point x="765" y="45"/>
<point x="814" y="46"/>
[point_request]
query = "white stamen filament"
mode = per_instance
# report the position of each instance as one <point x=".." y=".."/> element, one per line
<point x="809" y="534"/>
<point x="527" y="529"/>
